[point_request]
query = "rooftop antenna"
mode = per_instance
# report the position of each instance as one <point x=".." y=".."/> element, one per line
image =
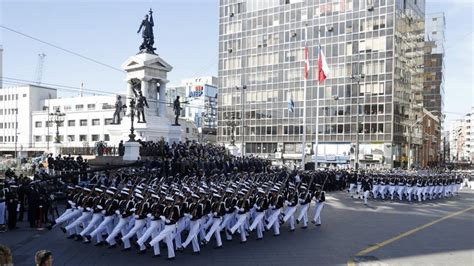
<point x="39" y="68"/>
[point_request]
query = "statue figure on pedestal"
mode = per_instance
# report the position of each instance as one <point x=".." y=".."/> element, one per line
<point x="141" y="103"/>
<point x="119" y="106"/>
<point x="177" y="110"/>
<point x="147" y="34"/>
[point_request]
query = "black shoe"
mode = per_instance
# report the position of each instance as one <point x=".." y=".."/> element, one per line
<point x="49" y="227"/>
<point x="147" y="245"/>
<point x="156" y="255"/>
<point x="228" y="240"/>
<point x="304" y="227"/>
<point x="141" y="252"/>
<point x="99" y="244"/>
<point x="172" y="258"/>
<point x="197" y="253"/>
<point x="297" y="221"/>
<point x="276" y="235"/>
<point x="259" y="238"/>
<point x="243" y="242"/>
<point x="112" y="246"/>
<point x="63" y="229"/>
<point x="313" y="222"/>
<point x="218" y="247"/>
<point x="126" y="249"/>
<point x="71" y="236"/>
<point x="318" y="224"/>
<point x="292" y="230"/>
<point x="181" y="249"/>
<point x="79" y="238"/>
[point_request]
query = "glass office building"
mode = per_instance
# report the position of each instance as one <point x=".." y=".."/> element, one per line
<point x="261" y="69"/>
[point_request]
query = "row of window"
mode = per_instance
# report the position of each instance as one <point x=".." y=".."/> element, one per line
<point x="364" y="128"/>
<point x="10" y="97"/>
<point x="81" y="107"/>
<point x="72" y="123"/>
<point x="8" y="111"/>
<point x="9" y="125"/>
<point x="5" y="139"/>
<point x="71" y="138"/>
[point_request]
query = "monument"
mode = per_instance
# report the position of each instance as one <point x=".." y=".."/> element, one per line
<point x="147" y="110"/>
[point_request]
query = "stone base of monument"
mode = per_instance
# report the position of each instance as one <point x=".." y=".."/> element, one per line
<point x="233" y="150"/>
<point x="56" y="149"/>
<point x="132" y="151"/>
<point x="154" y="129"/>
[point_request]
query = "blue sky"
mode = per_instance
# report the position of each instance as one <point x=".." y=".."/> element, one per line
<point x="186" y="33"/>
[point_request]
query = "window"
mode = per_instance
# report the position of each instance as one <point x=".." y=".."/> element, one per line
<point x="37" y="138"/>
<point x="49" y="138"/>
<point x="1" y="138"/>
<point x="67" y="108"/>
<point x="71" y="123"/>
<point x="79" y="107"/>
<point x="49" y="123"/>
<point x="108" y="121"/>
<point x="91" y="106"/>
<point x="24" y="95"/>
<point x="82" y="137"/>
<point x="38" y="124"/>
<point x="106" y="137"/>
<point x="83" y="122"/>
<point x="95" y="122"/>
<point x="71" y="138"/>
<point x="1" y="125"/>
<point x="435" y="19"/>
<point x="95" y="137"/>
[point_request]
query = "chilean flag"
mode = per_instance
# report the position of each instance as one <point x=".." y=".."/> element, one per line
<point x="323" y="69"/>
<point x="306" y="61"/>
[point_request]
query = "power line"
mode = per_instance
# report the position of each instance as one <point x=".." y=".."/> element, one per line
<point x="62" y="49"/>
<point x="17" y="82"/>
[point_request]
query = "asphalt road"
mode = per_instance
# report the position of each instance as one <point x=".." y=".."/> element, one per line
<point x="349" y="229"/>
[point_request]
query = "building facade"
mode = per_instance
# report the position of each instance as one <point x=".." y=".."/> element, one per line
<point x="461" y="138"/>
<point x="261" y="66"/>
<point x="16" y="107"/>
<point x="430" y="151"/>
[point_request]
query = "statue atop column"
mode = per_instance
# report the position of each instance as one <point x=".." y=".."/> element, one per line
<point x="147" y="34"/>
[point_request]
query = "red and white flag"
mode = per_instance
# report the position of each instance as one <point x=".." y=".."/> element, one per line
<point x="323" y="69"/>
<point x="306" y="61"/>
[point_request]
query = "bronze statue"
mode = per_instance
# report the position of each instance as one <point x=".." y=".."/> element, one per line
<point x="119" y="107"/>
<point x="141" y="103"/>
<point x="177" y="110"/>
<point x="136" y="87"/>
<point x="147" y="34"/>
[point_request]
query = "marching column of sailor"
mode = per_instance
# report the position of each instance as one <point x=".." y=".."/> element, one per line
<point x="149" y="212"/>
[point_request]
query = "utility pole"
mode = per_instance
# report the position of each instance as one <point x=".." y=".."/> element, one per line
<point x="357" y="78"/>
<point x="242" y="116"/>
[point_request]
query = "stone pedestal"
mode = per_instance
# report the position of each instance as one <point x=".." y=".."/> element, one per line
<point x="234" y="150"/>
<point x="132" y="151"/>
<point x="56" y="149"/>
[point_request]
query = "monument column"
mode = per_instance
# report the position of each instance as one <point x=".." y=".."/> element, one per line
<point x="128" y="96"/>
<point x="162" y="101"/>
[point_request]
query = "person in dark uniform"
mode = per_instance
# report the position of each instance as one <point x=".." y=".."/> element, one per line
<point x="366" y="187"/>
<point x="13" y="206"/>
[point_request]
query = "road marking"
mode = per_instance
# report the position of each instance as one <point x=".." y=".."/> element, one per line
<point x="402" y="235"/>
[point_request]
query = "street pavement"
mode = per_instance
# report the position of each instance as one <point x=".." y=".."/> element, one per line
<point x="349" y="228"/>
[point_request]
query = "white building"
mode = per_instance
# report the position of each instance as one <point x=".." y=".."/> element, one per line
<point x="16" y="127"/>
<point x="461" y="138"/>
<point x="86" y="121"/>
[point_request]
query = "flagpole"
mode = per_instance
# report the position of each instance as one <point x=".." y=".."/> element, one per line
<point x="316" y="141"/>
<point x="303" y="153"/>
